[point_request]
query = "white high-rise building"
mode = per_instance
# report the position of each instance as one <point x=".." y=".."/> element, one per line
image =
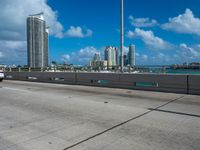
<point x="111" y="56"/>
<point x="131" y="55"/>
<point x="37" y="41"/>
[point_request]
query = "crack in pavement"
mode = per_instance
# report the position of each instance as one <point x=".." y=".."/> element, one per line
<point x="122" y="123"/>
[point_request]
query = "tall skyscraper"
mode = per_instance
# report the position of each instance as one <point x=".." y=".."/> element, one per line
<point x="37" y="41"/>
<point x="131" y="55"/>
<point x="111" y="56"/>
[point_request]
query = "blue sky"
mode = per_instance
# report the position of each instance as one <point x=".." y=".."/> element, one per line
<point x="79" y="28"/>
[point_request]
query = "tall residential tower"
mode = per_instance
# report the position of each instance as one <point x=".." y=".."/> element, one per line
<point x="37" y="41"/>
<point x="111" y="56"/>
<point x="131" y="55"/>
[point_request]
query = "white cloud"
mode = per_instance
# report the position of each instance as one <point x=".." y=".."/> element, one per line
<point x="142" y="22"/>
<point x="198" y="45"/>
<point x="184" y="23"/>
<point x="189" y="52"/>
<point x="13" y="52"/>
<point x="137" y="54"/>
<point x="161" y="55"/>
<point x="13" y="16"/>
<point x="141" y="59"/>
<point x="78" y="32"/>
<point x="83" y="56"/>
<point x="1" y="54"/>
<point x="144" y="57"/>
<point x="87" y="52"/>
<point x="149" y="39"/>
<point x="162" y="59"/>
<point x="66" y="58"/>
<point x="6" y="46"/>
<point x="182" y="53"/>
<point x="130" y="34"/>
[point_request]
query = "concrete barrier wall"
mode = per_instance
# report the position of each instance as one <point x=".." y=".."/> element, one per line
<point x="166" y="83"/>
<point x="98" y="79"/>
<point x="194" y="84"/>
<point x="187" y="84"/>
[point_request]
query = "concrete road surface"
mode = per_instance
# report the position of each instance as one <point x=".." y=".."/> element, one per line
<point x="41" y="116"/>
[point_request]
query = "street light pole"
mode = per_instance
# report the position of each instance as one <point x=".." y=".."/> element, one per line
<point x="122" y="35"/>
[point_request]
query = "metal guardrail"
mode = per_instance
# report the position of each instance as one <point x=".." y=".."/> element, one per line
<point x="185" y="84"/>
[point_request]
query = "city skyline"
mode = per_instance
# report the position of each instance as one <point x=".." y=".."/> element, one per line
<point x="112" y="59"/>
<point x="170" y="37"/>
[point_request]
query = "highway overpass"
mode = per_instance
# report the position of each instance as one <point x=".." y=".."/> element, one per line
<point x="46" y="116"/>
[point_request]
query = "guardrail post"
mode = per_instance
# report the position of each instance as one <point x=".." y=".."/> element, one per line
<point x="188" y="85"/>
<point x="76" y="80"/>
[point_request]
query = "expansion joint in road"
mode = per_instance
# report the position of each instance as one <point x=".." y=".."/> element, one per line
<point x="122" y="123"/>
